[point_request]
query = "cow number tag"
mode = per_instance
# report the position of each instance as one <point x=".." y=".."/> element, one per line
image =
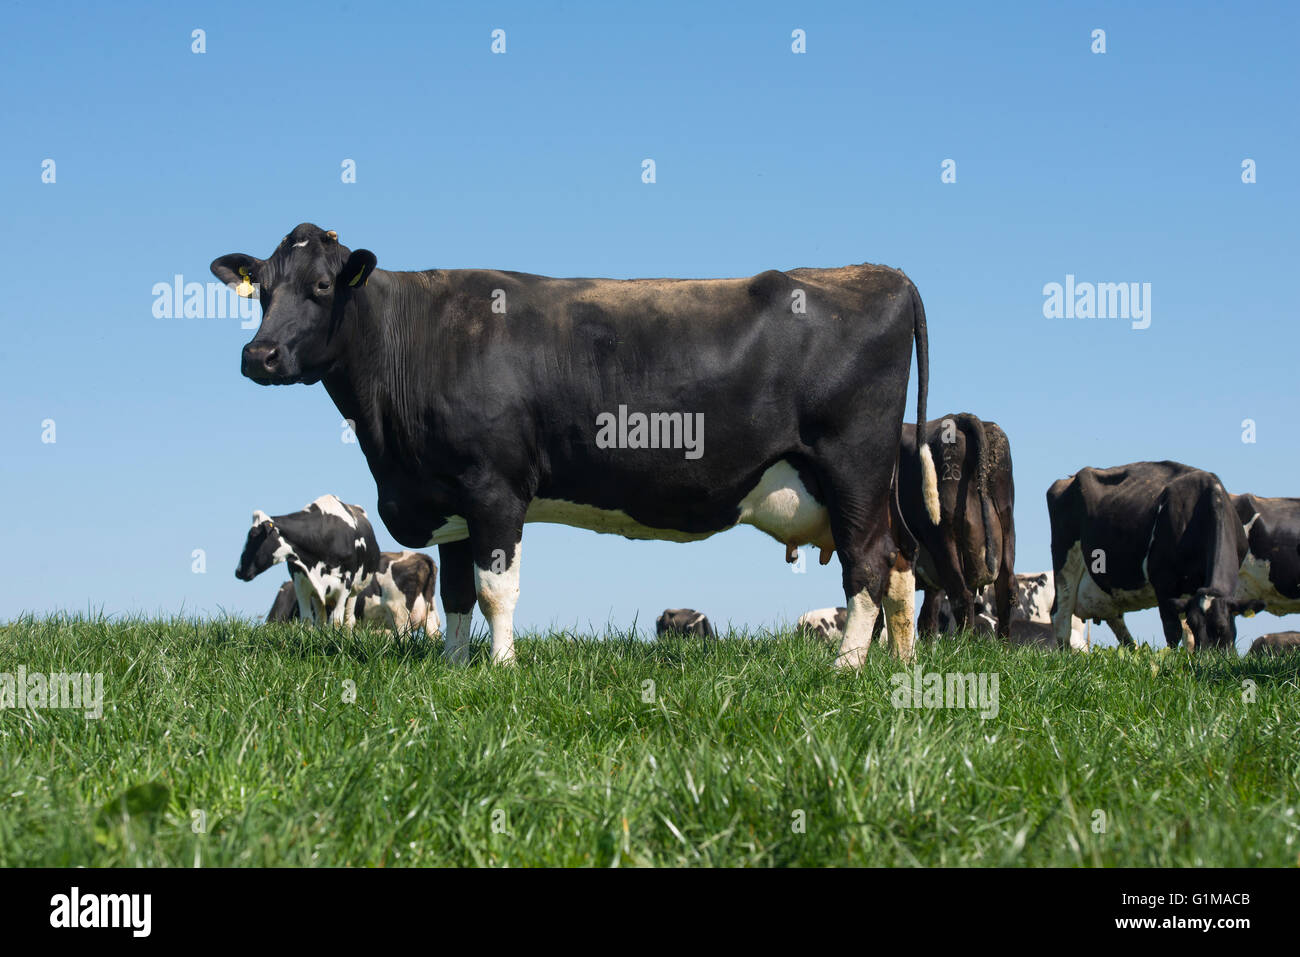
<point x="245" y="288"/>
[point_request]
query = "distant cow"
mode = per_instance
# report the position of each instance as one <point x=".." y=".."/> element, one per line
<point x="1271" y="570"/>
<point x="1277" y="643"/>
<point x="331" y="552"/>
<point x="683" y="621"/>
<point x="1031" y="613"/>
<point x="826" y="624"/>
<point x="399" y="596"/>
<point x="974" y="543"/>
<point x="1150" y="533"/>
<point x="285" y="606"/>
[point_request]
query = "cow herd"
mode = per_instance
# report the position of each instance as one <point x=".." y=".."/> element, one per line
<point x="674" y="409"/>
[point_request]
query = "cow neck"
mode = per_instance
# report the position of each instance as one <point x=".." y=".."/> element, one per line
<point x="377" y="381"/>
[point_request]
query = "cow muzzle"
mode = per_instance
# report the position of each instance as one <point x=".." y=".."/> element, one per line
<point x="263" y="362"/>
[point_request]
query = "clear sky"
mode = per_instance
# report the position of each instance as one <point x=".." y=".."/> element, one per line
<point x="1123" y="166"/>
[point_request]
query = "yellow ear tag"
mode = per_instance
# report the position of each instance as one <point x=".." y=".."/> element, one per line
<point x="1250" y="613"/>
<point x="245" y="288"/>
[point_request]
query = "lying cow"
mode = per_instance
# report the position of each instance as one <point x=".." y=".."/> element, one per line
<point x="399" y="596"/>
<point x="485" y="399"/>
<point x="1270" y="571"/>
<point x="1150" y="533"/>
<point x="974" y="543"/>
<point x="1278" y="643"/>
<point x="825" y="624"/>
<point x="331" y="552"/>
<point x="683" y="621"/>
<point x="1031" y="613"/>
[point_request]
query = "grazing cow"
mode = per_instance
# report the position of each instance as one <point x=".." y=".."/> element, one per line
<point x="826" y="624"/>
<point x="1151" y="533"/>
<point x="1278" y="643"/>
<point x="683" y="621"/>
<point x="974" y="543"/>
<point x="1271" y="569"/>
<point x="331" y="552"/>
<point x="400" y="595"/>
<point x="485" y="399"/>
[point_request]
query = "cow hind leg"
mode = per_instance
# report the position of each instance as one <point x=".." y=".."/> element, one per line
<point x="1066" y="580"/>
<point x="900" y="601"/>
<point x="457" y="599"/>
<point x="867" y="552"/>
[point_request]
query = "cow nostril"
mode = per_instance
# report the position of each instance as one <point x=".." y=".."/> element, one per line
<point x="271" y="359"/>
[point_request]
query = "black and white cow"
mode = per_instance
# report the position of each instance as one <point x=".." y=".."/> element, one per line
<point x="974" y="543"/>
<point x="1031" y="613"/>
<point x="1270" y="571"/>
<point x="1278" y="643"/>
<point x="331" y="552"/>
<point x="485" y="399"/>
<point x="824" y="624"/>
<point x="1150" y="533"/>
<point x="683" y="621"/>
<point x="399" y="596"/>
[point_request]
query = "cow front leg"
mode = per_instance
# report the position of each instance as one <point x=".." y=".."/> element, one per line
<point x="928" y="622"/>
<point x="495" y="545"/>
<point x="1122" y="634"/>
<point x="457" y="599"/>
<point x="1066" y="580"/>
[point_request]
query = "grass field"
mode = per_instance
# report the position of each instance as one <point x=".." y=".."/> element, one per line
<point x="744" y="751"/>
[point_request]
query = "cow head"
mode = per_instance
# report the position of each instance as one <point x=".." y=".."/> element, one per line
<point x="1213" y="620"/>
<point x="303" y="288"/>
<point x="263" y="548"/>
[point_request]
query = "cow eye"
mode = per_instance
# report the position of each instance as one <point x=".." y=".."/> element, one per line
<point x="322" y="285"/>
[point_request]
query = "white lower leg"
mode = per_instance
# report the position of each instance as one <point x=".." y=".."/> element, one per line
<point x="1067" y="589"/>
<point x="455" y="640"/>
<point x="498" y="593"/>
<point x="857" y="631"/>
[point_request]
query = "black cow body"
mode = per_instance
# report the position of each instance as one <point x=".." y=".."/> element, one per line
<point x="1151" y="533"/>
<point x="974" y="543"/>
<point x="486" y="399"/>
<point x="1271" y="570"/>
<point x="330" y="549"/>
<point x="683" y="621"/>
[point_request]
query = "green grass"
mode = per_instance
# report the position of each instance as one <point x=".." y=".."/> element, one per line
<point x="560" y="761"/>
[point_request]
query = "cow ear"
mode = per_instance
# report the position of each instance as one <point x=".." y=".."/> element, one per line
<point x="1180" y="605"/>
<point x="1248" y="608"/>
<point x="236" y="268"/>
<point x="358" y="268"/>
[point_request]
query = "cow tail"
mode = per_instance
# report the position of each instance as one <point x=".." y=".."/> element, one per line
<point x="430" y="584"/>
<point x="973" y="426"/>
<point x="929" y="477"/>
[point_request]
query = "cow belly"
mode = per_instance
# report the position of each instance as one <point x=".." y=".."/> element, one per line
<point x="779" y="505"/>
<point x="1253" y="581"/>
<point x="610" y="521"/>
<point x="1092" y="602"/>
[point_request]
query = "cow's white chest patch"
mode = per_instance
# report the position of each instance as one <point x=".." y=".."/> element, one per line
<point x="453" y="530"/>
<point x="1093" y="602"/>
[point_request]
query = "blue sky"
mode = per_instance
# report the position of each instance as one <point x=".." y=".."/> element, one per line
<point x="1115" y="167"/>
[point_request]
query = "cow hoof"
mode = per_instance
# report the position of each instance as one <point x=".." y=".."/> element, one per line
<point x="850" y="660"/>
<point x="457" y="656"/>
